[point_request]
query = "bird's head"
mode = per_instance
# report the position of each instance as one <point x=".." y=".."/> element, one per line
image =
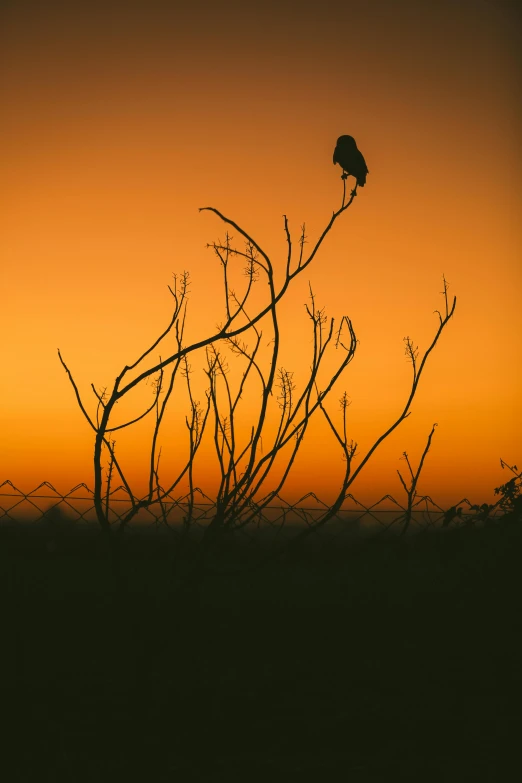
<point x="346" y="141"/>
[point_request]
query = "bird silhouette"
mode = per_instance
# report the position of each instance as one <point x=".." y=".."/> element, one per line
<point x="350" y="159"/>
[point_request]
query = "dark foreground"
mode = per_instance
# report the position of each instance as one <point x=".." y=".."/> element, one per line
<point x="390" y="660"/>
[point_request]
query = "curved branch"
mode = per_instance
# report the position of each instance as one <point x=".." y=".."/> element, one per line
<point x="78" y="398"/>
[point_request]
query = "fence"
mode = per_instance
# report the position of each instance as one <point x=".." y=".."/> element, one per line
<point x="44" y="504"/>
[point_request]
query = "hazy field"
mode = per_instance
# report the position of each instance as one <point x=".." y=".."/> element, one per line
<point x="386" y="658"/>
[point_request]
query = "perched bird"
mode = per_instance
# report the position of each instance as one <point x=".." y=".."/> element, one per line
<point x="350" y="159"/>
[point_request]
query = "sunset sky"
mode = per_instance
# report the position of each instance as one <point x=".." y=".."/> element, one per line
<point x="120" y="120"/>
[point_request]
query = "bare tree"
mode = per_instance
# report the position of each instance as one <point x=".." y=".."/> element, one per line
<point x="245" y="464"/>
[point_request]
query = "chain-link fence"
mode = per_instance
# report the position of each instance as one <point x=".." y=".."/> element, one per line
<point x="45" y="505"/>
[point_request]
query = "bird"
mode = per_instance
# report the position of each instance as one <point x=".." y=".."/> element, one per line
<point x="350" y="159"/>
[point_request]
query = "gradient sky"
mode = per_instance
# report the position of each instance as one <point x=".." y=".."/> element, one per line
<point x="120" y="120"/>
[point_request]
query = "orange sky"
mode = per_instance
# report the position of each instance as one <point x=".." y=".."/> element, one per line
<point x="119" y="121"/>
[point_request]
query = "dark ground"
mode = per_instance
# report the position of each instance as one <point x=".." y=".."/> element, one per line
<point x="382" y="660"/>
